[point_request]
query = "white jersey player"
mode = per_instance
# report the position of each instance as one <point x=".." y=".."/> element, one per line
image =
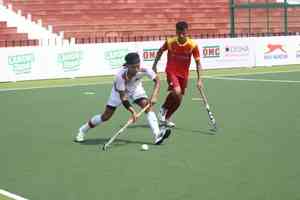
<point x="127" y="88"/>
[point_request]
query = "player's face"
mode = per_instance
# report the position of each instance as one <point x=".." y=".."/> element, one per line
<point x="181" y="34"/>
<point x="133" y="69"/>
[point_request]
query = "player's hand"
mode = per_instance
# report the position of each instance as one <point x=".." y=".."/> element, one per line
<point x="134" y="116"/>
<point x="199" y="84"/>
<point x="153" y="101"/>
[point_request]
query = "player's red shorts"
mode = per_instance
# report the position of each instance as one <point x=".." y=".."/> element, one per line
<point x="176" y="81"/>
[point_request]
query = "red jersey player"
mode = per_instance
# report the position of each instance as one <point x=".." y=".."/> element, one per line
<point x="180" y="50"/>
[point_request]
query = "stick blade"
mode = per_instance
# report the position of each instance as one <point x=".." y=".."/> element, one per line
<point x="105" y="147"/>
<point x="214" y="127"/>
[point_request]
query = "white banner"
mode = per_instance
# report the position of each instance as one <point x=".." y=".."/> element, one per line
<point x="279" y="50"/>
<point x="228" y="52"/>
<point x="35" y="63"/>
<point x="32" y="63"/>
<point x="148" y="51"/>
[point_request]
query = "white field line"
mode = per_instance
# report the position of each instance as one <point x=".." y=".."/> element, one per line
<point x="109" y="81"/>
<point x="197" y="99"/>
<point x="254" y="80"/>
<point x="11" y="195"/>
<point x="55" y="86"/>
<point x="249" y="73"/>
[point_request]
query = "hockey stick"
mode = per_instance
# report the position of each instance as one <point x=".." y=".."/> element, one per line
<point x="107" y="144"/>
<point x="210" y="114"/>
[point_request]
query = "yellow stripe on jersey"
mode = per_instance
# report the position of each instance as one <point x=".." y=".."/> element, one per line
<point x="192" y="42"/>
<point x="189" y="42"/>
<point x="170" y="41"/>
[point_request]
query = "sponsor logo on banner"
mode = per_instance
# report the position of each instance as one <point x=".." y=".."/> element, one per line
<point x="70" y="61"/>
<point x="149" y="54"/>
<point x="21" y="64"/>
<point x="275" y="52"/>
<point x="236" y="51"/>
<point x="115" y="58"/>
<point x="298" y="52"/>
<point x="211" y="51"/>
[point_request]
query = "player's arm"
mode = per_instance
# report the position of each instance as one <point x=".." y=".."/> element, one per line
<point x="120" y="87"/>
<point x="153" y="76"/>
<point x="196" y="56"/>
<point x="156" y="88"/>
<point x="158" y="56"/>
<point x="128" y="105"/>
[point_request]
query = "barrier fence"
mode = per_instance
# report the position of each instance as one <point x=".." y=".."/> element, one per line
<point x="91" y="40"/>
<point x="250" y="16"/>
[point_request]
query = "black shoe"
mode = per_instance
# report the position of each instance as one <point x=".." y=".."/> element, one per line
<point x="166" y="132"/>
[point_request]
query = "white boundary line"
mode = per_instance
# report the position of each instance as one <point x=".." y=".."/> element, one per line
<point x="219" y="76"/>
<point x="11" y="195"/>
<point x="250" y="73"/>
<point x="54" y="86"/>
<point x="254" y="80"/>
<point x="197" y="99"/>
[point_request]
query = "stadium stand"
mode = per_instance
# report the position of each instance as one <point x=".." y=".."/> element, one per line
<point x="126" y="18"/>
<point x="90" y="20"/>
<point x="10" y="37"/>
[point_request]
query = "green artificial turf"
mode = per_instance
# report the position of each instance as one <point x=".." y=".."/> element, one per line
<point x="254" y="154"/>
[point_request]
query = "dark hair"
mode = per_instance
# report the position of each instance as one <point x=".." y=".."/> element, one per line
<point x="181" y="25"/>
<point x="132" y="58"/>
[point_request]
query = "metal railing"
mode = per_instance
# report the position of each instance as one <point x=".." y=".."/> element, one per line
<point x="18" y="43"/>
<point x="248" y="17"/>
<point x="90" y="40"/>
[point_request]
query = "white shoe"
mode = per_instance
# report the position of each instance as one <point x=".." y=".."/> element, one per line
<point x="162" y="118"/>
<point x="79" y="137"/>
<point x="158" y="139"/>
<point x="164" y="134"/>
<point x="170" y="124"/>
<point x="162" y="115"/>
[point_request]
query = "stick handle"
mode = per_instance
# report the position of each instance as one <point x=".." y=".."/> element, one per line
<point x="210" y="114"/>
<point x="124" y="127"/>
<point x="204" y="98"/>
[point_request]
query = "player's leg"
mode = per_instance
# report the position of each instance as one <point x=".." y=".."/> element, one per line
<point x="178" y="93"/>
<point x="112" y="104"/>
<point x="141" y="99"/>
<point x="95" y="121"/>
<point x="172" y="101"/>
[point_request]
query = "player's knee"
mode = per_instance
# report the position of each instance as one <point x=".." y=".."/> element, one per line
<point x="105" y="117"/>
<point x="178" y="92"/>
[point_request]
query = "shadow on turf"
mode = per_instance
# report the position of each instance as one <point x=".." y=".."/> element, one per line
<point x="138" y="126"/>
<point x="210" y="132"/>
<point x="102" y="141"/>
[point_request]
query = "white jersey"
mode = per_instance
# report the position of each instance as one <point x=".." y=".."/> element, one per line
<point x="133" y="87"/>
<point x="129" y="86"/>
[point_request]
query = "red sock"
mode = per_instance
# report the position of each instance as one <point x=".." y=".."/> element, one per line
<point x="176" y="101"/>
<point x="168" y="102"/>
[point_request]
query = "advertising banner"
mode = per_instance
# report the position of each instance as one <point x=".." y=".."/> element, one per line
<point x="228" y="52"/>
<point x="148" y="51"/>
<point x="33" y="63"/>
<point x="280" y="50"/>
<point x="298" y="51"/>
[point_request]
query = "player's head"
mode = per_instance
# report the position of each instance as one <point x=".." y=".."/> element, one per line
<point x="181" y="30"/>
<point x="132" y="62"/>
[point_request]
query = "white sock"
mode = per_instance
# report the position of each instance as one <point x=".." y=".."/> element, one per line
<point x="153" y="122"/>
<point x="93" y="122"/>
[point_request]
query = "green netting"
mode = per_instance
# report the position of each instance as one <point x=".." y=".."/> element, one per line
<point x="264" y="16"/>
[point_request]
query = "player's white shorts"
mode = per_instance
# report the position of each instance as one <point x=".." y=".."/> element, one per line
<point x="115" y="100"/>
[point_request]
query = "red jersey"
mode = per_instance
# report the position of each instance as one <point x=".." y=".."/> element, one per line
<point x="179" y="56"/>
